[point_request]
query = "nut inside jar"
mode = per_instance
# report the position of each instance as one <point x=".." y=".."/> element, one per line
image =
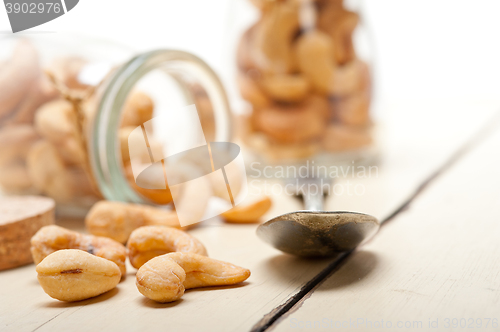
<point x="307" y="85"/>
<point x="51" y="115"/>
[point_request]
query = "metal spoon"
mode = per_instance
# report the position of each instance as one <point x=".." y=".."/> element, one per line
<point x="314" y="232"/>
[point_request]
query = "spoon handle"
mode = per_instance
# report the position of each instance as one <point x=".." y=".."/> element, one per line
<point x="312" y="193"/>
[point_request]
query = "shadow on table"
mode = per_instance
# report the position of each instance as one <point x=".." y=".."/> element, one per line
<point x="157" y="305"/>
<point x="294" y="269"/>
<point x="354" y="269"/>
<point x="97" y="299"/>
<point x="153" y="304"/>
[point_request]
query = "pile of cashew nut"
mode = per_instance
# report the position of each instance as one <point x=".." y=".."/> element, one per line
<point x="308" y="90"/>
<point x="41" y="151"/>
<point x="74" y="267"/>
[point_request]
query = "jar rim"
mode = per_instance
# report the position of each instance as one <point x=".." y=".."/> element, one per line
<point x="104" y="153"/>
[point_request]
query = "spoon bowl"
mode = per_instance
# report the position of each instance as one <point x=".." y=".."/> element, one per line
<point x="318" y="233"/>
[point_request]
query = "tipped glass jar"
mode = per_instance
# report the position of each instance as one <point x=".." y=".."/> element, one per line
<point x="68" y="105"/>
<point x="304" y="81"/>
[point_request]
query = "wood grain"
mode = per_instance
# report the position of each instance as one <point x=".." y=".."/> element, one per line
<point x="275" y="277"/>
<point x="434" y="263"/>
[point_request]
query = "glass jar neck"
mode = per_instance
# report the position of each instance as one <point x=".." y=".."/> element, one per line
<point x="104" y="144"/>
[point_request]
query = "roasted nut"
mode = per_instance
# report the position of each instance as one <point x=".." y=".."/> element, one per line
<point x="294" y="123"/>
<point x="42" y="91"/>
<point x="67" y="69"/>
<point x="248" y="213"/>
<point x="53" y="238"/>
<point x="314" y="51"/>
<point x="15" y="142"/>
<point x="260" y="4"/>
<point x="272" y="50"/>
<point x="353" y="77"/>
<point x="56" y="122"/>
<point x="123" y="135"/>
<point x="47" y="171"/>
<point x="158" y="196"/>
<point x="151" y="241"/>
<point x="138" y="109"/>
<point x="278" y="152"/>
<point x="251" y="91"/>
<point x="14" y="178"/>
<point x="340" y="25"/>
<point x="286" y="88"/>
<point x="284" y="71"/>
<point x="17" y="76"/>
<point x="292" y="152"/>
<point x="118" y="220"/>
<point x="49" y="174"/>
<point x="80" y="183"/>
<point x="75" y="275"/>
<point x="353" y="110"/>
<point x="164" y="278"/>
<point x="341" y="137"/>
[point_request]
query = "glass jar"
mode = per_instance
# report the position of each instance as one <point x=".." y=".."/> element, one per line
<point x="68" y="107"/>
<point x="303" y="81"/>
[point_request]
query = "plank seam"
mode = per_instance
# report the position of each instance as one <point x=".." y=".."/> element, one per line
<point x="284" y="310"/>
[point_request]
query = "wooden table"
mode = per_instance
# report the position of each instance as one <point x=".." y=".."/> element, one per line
<point x="434" y="264"/>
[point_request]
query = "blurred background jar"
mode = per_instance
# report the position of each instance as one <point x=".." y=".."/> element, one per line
<point x="69" y="103"/>
<point x="302" y="81"/>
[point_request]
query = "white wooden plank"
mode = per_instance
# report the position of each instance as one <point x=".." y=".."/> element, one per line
<point x="275" y="277"/>
<point x="437" y="262"/>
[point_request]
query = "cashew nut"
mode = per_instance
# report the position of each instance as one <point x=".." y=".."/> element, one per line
<point x="272" y="52"/>
<point x="118" y="220"/>
<point x="248" y="213"/>
<point x="340" y="24"/>
<point x="350" y="78"/>
<point x="137" y="110"/>
<point x="341" y="137"/>
<point x="41" y="92"/>
<point x="15" y="142"/>
<point x="151" y="241"/>
<point x="56" y="122"/>
<point x="14" y="178"/>
<point x="354" y="109"/>
<point x="278" y="152"/>
<point x="123" y="135"/>
<point x="67" y="69"/>
<point x="250" y="90"/>
<point x="53" y="238"/>
<point x="17" y="76"/>
<point x="314" y="51"/>
<point x="286" y="88"/>
<point x="50" y="175"/>
<point x="294" y="123"/>
<point x="75" y="275"/>
<point x="158" y="196"/>
<point x="165" y="278"/>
